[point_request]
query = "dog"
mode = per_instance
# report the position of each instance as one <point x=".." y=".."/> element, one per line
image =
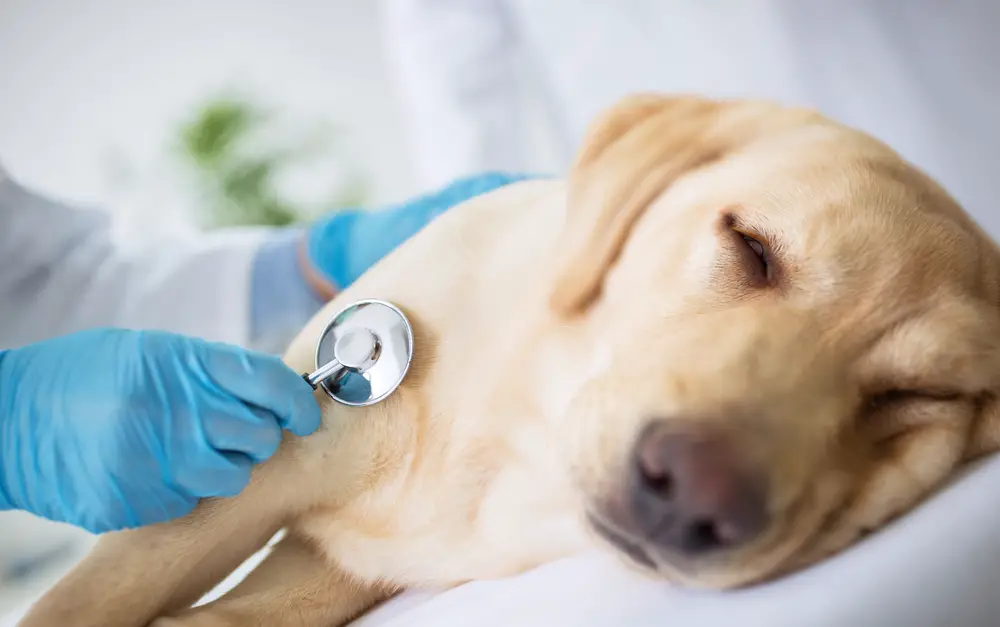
<point x="734" y="340"/>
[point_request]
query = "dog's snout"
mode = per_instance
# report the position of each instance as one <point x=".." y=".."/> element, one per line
<point x="692" y="494"/>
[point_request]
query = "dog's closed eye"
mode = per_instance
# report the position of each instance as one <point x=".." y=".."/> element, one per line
<point x="755" y="256"/>
<point x="759" y="250"/>
<point x="900" y="395"/>
<point x="892" y="412"/>
<point x="752" y="251"/>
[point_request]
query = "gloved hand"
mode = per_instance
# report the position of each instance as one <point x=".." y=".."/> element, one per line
<point x="341" y="248"/>
<point x="110" y="429"/>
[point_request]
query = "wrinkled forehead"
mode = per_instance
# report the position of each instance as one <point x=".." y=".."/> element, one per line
<point x="884" y="255"/>
<point x="846" y="212"/>
<point x="860" y="237"/>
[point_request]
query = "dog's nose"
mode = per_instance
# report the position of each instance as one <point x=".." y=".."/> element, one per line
<point x="692" y="493"/>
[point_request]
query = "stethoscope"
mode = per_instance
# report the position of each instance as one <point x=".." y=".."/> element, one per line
<point x="363" y="354"/>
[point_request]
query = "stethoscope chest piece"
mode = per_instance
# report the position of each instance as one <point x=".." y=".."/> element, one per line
<point x="363" y="354"/>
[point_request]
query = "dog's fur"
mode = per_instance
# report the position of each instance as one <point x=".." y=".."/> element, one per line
<point x="555" y="319"/>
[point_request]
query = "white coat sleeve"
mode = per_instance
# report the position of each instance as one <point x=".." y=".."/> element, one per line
<point x="62" y="271"/>
<point x="455" y="64"/>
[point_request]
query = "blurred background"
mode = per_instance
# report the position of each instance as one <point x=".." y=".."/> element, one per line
<point x="123" y="105"/>
<point x="187" y="113"/>
<point x="195" y="114"/>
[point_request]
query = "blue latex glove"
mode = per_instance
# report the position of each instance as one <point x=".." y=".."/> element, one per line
<point x="345" y="245"/>
<point x="110" y="429"/>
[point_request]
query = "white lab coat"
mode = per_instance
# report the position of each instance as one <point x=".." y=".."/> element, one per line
<point x="62" y="270"/>
<point x="475" y="75"/>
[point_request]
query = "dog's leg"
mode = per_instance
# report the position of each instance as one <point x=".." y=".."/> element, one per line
<point x="131" y="577"/>
<point x="292" y="587"/>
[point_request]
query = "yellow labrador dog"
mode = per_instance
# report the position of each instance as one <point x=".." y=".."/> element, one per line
<point x="735" y="340"/>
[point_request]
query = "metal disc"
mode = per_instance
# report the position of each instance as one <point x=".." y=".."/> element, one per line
<point x="393" y="354"/>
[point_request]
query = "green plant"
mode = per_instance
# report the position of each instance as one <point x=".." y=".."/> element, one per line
<point x="239" y="151"/>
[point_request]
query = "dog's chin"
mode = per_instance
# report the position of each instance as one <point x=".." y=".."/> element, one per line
<point x="721" y="572"/>
<point x="639" y="555"/>
<point x="632" y="549"/>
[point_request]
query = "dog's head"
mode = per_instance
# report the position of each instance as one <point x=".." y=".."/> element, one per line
<point x="797" y="336"/>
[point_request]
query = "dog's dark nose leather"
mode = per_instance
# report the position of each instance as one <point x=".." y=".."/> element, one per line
<point x="692" y="493"/>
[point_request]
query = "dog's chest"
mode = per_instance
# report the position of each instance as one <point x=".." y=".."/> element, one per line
<point x="519" y="522"/>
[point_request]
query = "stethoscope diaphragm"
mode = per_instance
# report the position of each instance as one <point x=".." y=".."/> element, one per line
<point x="363" y="354"/>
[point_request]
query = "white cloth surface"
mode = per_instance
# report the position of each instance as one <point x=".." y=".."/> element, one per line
<point x="939" y="565"/>
<point x="919" y="74"/>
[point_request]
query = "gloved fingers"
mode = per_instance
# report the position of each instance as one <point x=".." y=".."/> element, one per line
<point x="395" y="225"/>
<point x="253" y="431"/>
<point x="146" y="509"/>
<point x="328" y="247"/>
<point x="123" y="500"/>
<point x="345" y="245"/>
<point x="168" y="508"/>
<point x="214" y="474"/>
<point x="172" y="508"/>
<point x="236" y="476"/>
<point x="265" y="382"/>
<point x="471" y="186"/>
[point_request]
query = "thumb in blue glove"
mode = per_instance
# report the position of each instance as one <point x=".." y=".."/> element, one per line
<point x="111" y="429"/>
<point x="344" y="246"/>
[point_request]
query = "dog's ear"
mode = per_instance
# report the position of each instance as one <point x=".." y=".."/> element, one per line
<point x="630" y="155"/>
